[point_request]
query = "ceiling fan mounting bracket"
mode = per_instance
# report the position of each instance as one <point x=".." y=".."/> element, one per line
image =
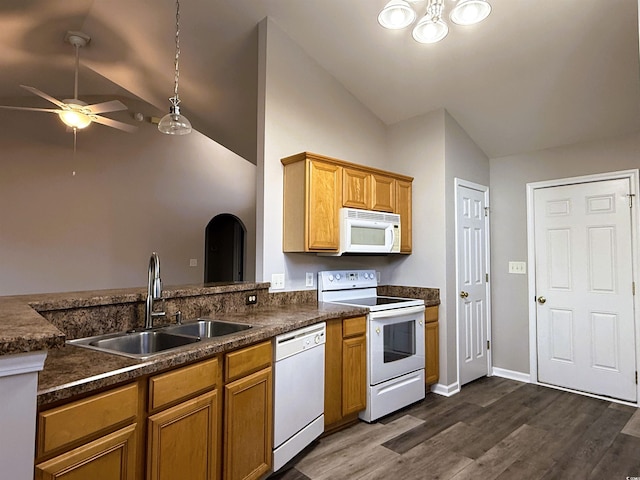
<point x="76" y="38"/>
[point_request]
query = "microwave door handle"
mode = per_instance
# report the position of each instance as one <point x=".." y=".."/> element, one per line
<point x="389" y="235"/>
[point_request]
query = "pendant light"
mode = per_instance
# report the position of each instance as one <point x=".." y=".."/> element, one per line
<point x="174" y="123"/>
<point x="469" y="12"/>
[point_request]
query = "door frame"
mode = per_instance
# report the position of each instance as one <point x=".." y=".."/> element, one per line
<point x="633" y="176"/>
<point x="459" y="182"/>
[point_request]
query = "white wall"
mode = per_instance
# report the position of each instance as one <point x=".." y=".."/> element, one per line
<point x="509" y="176"/>
<point x="305" y="109"/>
<point x="131" y="194"/>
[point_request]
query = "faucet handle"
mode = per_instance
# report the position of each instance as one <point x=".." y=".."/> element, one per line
<point x="178" y="316"/>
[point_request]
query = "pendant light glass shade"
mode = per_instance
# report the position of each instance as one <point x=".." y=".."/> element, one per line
<point x="468" y="12"/>
<point x="173" y="123"/>
<point x="429" y="30"/>
<point x="396" y="14"/>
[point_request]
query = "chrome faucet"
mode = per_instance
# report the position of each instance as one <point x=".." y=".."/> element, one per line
<point x="154" y="291"/>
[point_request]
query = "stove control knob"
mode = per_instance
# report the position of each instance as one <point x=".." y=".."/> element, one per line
<point x="338" y="276"/>
<point x="330" y="278"/>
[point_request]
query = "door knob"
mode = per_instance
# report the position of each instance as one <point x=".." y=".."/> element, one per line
<point x="464" y="294"/>
<point x="541" y="300"/>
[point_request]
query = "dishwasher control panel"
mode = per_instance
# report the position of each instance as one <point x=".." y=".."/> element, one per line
<point x="297" y="341"/>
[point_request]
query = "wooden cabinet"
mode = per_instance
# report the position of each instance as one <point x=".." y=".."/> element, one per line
<point x="312" y="200"/>
<point x="96" y="437"/>
<point x="403" y="208"/>
<point x="316" y="187"/>
<point x="345" y="371"/>
<point x="183" y="441"/>
<point x="248" y="415"/>
<point x="432" y="363"/>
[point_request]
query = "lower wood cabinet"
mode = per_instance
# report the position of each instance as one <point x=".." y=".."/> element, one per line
<point x="432" y="353"/>
<point x="112" y="457"/>
<point x="183" y="440"/>
<point x="345" y="371"/>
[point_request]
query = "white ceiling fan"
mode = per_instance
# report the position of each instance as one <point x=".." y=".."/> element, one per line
<point x="73" y="112"/>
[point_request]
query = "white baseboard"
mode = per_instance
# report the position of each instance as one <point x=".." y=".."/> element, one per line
<point x="511" y="374"/>
<point x="445" y="390"/>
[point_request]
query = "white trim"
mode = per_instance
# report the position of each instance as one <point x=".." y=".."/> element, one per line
<point x="446" y="390"/>
<point x="633" y="176"/>
<point x="587" y="394"/>
<point x="22" y="363"/>
<point x="458" y="182"/>
<point x="511" y="375"/>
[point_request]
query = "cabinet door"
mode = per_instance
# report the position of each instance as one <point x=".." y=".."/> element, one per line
<point x="432" y="366"/>
<point x="354" y="374"/>
<point x="248" y="431"/>
<point x="183" y="440"/>
<point x="383" y="195"/>
<point x="111" y="457"/>
<point x="403" y="208"/>
<point x="356" y="189"/>
<point x="325" y="198"/>
<point x="333" y="373"/>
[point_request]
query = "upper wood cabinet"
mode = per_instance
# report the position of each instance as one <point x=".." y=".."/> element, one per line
<point x="316" y="187"/>
<point x="403" y="208"/>
<point x="312" y="200"/>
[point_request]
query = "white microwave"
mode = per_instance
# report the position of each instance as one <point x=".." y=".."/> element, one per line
<point x="366" y="231"/>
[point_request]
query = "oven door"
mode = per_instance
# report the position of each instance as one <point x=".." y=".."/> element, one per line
<point x="396" y="343"/>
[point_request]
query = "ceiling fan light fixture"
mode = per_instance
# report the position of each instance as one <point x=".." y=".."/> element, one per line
<point x="396" y="14"/>
<point x="430" y="30"/>
<point x="469" y="12"/>
<point x="174" y="123"/>
<point x="75" y="119"/>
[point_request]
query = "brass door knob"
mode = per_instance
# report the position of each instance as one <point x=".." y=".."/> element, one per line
<point x="541" y="300"/>
<point x="464" y="294"/>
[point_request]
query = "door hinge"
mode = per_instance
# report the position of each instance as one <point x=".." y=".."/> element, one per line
<point x="486" y="211"/>
<point x="486" y="277"/>
<point x="631" y="195"/>
<point x="633" y="288"/>
<point x="488" y="345"/>
<point x="636" y="377"/>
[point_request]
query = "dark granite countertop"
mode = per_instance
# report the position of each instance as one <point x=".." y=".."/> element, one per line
<point x="72" y="371"/>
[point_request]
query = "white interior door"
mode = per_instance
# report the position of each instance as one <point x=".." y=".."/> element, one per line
<point x="472" y="271"/>
<point x="585" y="318"/>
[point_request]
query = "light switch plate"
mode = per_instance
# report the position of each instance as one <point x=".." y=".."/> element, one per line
<point x="193" y="262"/>
<point x="518" y="268"/>
<point x="277" y="281"/>
<point x="309" y="279"/>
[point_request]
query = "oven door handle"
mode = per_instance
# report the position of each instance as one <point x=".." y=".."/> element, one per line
<point x="396" y="312"/>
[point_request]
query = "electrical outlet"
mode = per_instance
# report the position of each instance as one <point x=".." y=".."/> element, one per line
<point x="309" y="279"/>
<point x="277" y="281"/>
<point x="252" y="299"/>
<point x="518" y="267"/>
<point x="193" y="262"/>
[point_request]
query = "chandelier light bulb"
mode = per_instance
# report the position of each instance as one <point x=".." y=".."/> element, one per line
<point x="396" y="14"/>
<point x="429" y="30"/>
<point x="469" y="12"/>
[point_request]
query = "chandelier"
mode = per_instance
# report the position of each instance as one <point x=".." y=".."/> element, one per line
<point x="431" y="28"/>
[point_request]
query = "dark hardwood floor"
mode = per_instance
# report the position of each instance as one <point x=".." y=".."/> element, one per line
<point x="493" y="429"/>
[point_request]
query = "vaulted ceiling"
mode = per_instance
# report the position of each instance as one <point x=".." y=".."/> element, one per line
<point x="535" y="74"/>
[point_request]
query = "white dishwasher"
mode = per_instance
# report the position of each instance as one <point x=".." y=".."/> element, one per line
<point x="298" y="393"/>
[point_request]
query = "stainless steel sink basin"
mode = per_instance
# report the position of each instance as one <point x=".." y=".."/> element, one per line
<point x="205" y="328"/>
<point x="136" y="344"/>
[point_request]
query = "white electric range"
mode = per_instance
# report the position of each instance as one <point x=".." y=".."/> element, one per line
<point x="395" y="339"/>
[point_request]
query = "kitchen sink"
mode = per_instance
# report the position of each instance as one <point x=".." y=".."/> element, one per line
<point x="205" y="328"/>
<point x="147" y="343"/>
<point x="135" y="344"/>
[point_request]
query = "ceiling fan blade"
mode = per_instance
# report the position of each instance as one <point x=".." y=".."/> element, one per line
<point x="112" y="106"/>
<point x="114" y="123"/>
<point x="31" y="109"/>
<point x="35" y="91"/>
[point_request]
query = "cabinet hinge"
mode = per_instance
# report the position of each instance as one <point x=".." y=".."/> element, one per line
<point x="631" y="195"/>
<point x="486" y="277"/>
<point x="488" y="345"/>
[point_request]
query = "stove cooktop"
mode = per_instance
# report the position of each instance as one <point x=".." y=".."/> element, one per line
<point x="375" y="301"/>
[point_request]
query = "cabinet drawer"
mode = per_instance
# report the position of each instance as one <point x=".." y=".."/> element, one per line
<point x="183" y="383"/>
<point x="248" y="360"/>
<point x="354" y="326"/>
<point x="71" y="423"/>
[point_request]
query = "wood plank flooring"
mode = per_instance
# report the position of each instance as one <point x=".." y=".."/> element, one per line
<point x="493" y="429"/>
